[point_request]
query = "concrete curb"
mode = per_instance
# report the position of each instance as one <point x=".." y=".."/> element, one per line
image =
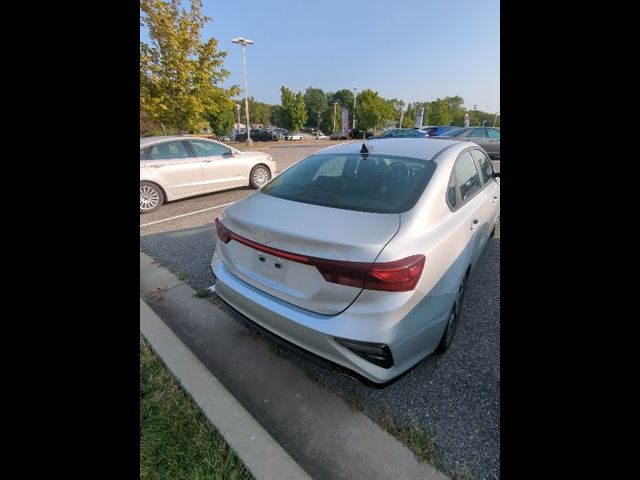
<point x="262" y="455"/>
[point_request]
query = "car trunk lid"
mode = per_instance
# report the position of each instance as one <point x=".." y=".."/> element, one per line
<point x="274" y="239"/>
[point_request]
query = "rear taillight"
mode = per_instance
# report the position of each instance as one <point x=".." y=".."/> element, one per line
<point x="397" y="276"/>
<point x="223" y="232"/>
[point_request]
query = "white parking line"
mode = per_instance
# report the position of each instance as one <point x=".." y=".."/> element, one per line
<point x="186" y="214"/>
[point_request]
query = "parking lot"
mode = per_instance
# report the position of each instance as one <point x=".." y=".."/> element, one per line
<point x="454" y="398"/>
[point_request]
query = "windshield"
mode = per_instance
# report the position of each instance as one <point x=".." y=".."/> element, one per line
<point x="367" y="183"/>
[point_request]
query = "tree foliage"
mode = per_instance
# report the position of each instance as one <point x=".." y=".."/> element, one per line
<point x="179" y="73"/>
<point x="222" y="121"/>
<point x="315" y="101"/>
<point x="287" y="101"/>
<point x="372" y="110"/>
<point x="298" y="113"/>
<point x="439" y="113"/>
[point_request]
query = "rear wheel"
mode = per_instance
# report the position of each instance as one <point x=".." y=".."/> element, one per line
<point x="454" y="316"/>
<point x="151" y="197"/>
<point x="259" y="176"/>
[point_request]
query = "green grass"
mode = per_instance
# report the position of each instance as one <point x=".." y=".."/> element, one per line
<point x="421" y="444"/>
<point x="176" y="439"/>
<point x="202" y="293"/>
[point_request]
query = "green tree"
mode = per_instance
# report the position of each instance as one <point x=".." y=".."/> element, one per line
<point x="287" y="101"/>
<point x="179" y="74"/>
<point x="439" y="113"/>
<point x="221" y="122"/>
<point x="298" y="113"/>
<point x="274" y="115"/>
<point x="315" y="101"/>
<point x="259" y="112"/>
<point x="372" y="110"/>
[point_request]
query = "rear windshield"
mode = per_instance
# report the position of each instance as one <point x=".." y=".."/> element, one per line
<point x="367" y="183"/>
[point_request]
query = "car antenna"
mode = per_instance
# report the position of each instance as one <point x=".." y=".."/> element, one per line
<point x="364" y="151"/>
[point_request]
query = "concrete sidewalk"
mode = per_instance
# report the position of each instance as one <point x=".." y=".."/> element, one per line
<point x="316" y="430"/>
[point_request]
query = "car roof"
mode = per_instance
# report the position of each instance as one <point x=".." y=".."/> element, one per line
<point x="152" y="140"/>
<point x="422" y="148"/>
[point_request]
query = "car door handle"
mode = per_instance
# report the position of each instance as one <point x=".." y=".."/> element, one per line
<point x="494" y="199"/>
<point x="157" y="166"/>
<point x="474" y="224"/>
<point x="207" y="161"/>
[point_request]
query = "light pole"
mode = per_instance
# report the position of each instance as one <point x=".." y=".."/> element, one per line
<point x="355" y="95"/>
<point x="335" y="104"/>
<point x="238" y="110"/>
<point x="494" y="119"/>
<point x="318" y="129"/>
<point x="244" y="42"/>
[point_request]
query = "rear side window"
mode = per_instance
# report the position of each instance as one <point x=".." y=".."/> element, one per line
<point x="486" y="167"/>
<point x="466" y="175"/>
<point x="367" y="183"/>
<point x="143" y="154"/>
<point x="478" y="133"/>
<point x="169" y="150"/>
<point x="208" y="149"/>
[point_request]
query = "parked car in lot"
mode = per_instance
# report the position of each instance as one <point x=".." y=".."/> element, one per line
<point x="177" y="167"/>
<point x="359" y="134"/>
<point x="320" y="136"/>
<point x="260" y="135"/>
<point x="402" y="133"/>
<point x="294" y="136"/>
<point x="487" y="137"/>
<point x="360" y="253"/>
<point x="437" y="130"/>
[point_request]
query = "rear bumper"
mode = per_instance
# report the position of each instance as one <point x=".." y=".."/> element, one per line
<point x="410" y="333"/>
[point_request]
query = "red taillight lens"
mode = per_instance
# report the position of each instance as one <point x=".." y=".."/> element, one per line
<point x="397" y="276"/>
<point x="223" y="232"/>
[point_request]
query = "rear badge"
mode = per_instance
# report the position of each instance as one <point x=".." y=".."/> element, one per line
<point x="261" y="236"/>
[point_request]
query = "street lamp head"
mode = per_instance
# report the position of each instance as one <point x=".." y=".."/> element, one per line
<point x="242" y="41"/>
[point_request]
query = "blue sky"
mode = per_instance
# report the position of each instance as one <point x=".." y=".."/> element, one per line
<point x="408" y="49"/>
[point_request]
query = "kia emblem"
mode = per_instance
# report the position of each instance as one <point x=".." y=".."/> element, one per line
<point x="261" y="236"/>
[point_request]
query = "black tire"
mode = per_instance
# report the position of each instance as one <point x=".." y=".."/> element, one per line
<point x="259" y="175"/>
<point x="454" y="316"/>
<point x="151" y="197"/>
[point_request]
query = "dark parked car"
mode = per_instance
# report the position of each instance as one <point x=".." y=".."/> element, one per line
<point x="402" y="133"/>
<point x="437" y="130"/>
<point x="355" y="134"/>
<point x="261" y="135"/>
<point x="487" y="137"/>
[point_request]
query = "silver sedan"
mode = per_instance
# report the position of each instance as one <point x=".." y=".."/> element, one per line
<point x="178" y="167"/>
<point x="361" y="252"/>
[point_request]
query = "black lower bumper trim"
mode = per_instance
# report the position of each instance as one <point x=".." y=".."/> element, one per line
<point x="287" y="345"/>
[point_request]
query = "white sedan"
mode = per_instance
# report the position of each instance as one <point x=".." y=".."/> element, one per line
<point x="321" y="136"/>
<point x="179" y="166"/>
<point x="294" y="136"/>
